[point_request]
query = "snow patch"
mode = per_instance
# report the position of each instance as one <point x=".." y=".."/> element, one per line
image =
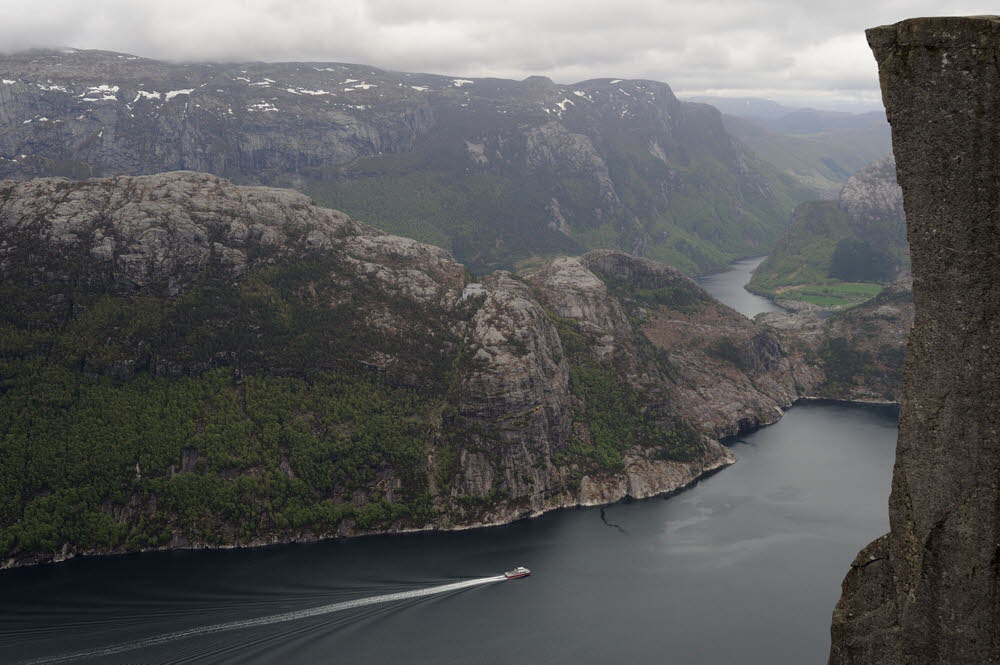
<point x="420" y="88"/>
<point x="108" y="93"/>
<point x="50" y="88"/>
<point x="563" y="103"/>
<point x="458" y="83"/>
<point x="7" y="81"/>
<point x="303" y="91"/>
<point x="173" y="93"/>
<point x="142" y="94"/>
<point x="262" y="106"/>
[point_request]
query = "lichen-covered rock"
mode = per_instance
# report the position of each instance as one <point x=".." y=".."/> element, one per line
<point x="928" y="591"/>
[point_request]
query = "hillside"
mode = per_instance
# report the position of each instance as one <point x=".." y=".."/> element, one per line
<point x="499" y="172"/>
<point x="836" y="252"/>
<point x="188" y="363"/>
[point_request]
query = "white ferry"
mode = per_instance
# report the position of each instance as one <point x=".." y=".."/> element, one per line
<point x="520" y="571"/>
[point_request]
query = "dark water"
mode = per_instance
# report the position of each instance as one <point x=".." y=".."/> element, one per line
<point x="743" y="568"/>
<point x="727" y="286"/>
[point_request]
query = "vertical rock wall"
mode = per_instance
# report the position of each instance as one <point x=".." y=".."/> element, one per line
<point x="928" y="591"/>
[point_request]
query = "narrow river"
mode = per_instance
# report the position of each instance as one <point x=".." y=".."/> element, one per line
<point x="727" y="286"/>
<point x="743" y="568"/>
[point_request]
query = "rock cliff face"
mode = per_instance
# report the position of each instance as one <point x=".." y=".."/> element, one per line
<point x="189" y="363"/>
<point x="927" y="592"/>
<point x="493" y="170"/>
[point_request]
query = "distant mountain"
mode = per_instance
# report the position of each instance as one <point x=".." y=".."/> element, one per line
<point x="784" y="119"/>
<point x="820" y="149"/>
<point x="499" y="172"/>
<point x="811" y="121"/>
<point x="746" y="107"/>
<point x="822" y="161"/>
<point x="860" y="237"/>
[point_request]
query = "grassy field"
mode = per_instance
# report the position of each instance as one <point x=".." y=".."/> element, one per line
<point x="832" y="294"/>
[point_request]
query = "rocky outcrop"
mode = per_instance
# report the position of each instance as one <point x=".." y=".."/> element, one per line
<point x="726" y="373"/>
<point x="872" y="195"/>
<point x="859" y="352"/>
<point x="928" y="591"/>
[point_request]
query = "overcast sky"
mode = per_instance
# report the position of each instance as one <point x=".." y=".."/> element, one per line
<point x="795" y="51"/>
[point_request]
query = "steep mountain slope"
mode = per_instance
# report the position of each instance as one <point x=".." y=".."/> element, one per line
<point x="496" y="171"/>
<point x="188" y="363"/>
<point x="860" y="237"/>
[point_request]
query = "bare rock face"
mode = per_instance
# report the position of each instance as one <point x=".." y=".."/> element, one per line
<point x="726" y="373"/>
<point x="517" y="388"/>
<point x="571" y="290"/>
<point x="141" y="230"/>
<point x="873" y="194"/>
<point x="928" y="591"/>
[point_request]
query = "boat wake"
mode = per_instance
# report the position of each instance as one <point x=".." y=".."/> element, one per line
<point x="266" y="620"/>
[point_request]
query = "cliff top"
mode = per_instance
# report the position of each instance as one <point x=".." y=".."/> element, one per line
<point x="937" y="31"/>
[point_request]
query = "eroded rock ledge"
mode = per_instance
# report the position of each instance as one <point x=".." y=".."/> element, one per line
<point x="928" y="591"/>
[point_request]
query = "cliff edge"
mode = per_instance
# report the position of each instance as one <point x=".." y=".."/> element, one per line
<point x="928" y="592"/>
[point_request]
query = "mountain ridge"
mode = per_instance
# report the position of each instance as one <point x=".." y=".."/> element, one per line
<point x="496" y="171"/>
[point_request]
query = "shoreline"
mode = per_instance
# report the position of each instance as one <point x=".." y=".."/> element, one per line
<point x="716" y="466"/>
<point x="508" y="517"/>
<point x="851" y="402"/>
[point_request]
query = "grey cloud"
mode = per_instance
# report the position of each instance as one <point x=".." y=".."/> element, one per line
<point x="792" y="50"/>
